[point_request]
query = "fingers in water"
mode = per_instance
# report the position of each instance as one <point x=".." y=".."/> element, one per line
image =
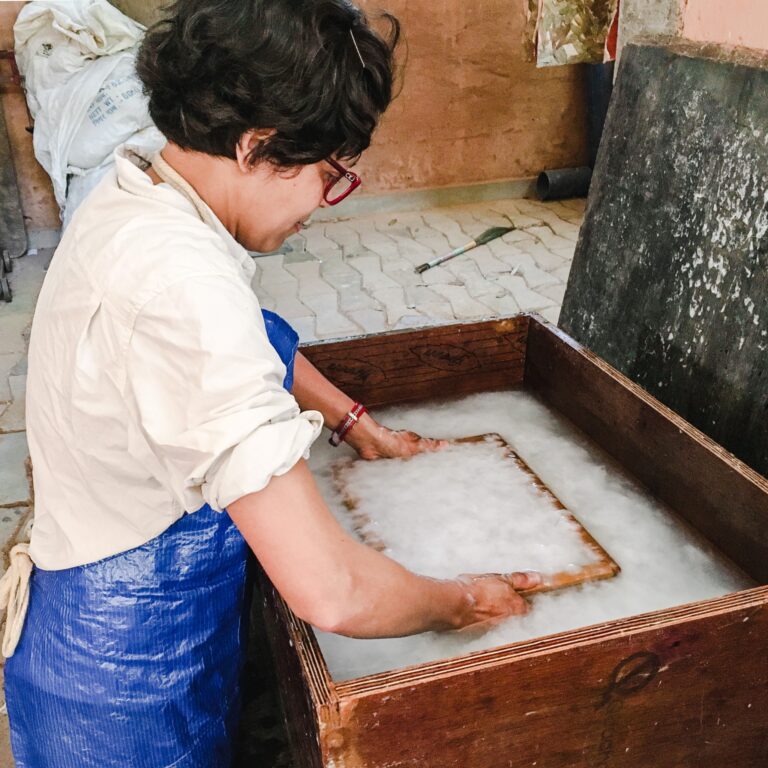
<point x="524" y="579"/>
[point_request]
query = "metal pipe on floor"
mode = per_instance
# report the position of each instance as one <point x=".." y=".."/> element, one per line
<point x="559" y="183"/>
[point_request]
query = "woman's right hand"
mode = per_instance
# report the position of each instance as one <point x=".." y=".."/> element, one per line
<point x="492" y="597"/>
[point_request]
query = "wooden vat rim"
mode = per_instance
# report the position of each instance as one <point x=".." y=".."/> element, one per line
<point x="563" y="641"/>
<point x="302" y="636"/>
<point x="518" y="324"/>
<point x="703" y="440"/>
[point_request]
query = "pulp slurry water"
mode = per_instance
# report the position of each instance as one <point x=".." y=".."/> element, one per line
<point x="461" y="523"/>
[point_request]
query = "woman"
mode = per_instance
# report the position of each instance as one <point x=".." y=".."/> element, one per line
<point x="164" y="439"/>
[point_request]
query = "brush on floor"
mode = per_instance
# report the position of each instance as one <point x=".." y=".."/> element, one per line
<point x="486" y="237"/>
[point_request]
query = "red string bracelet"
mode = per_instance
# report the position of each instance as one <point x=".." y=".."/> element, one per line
<point x="345" y="425"/>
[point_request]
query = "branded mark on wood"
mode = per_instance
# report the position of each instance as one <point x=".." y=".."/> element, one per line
<point x="355" y="373"/>
<point x="630" y="676"/>
<point x="446" y="357"/>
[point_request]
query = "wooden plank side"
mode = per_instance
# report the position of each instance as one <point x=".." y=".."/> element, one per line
<point x="716" y="493"/>
<point x="548" y="644"/>
<point x="679" y="695"/>
<point x="430" y="362"/>
<point x="305" y="689"/>
<point x="13" y="237"/>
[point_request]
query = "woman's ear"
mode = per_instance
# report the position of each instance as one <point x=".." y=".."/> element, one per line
<point x="247" y="143"/>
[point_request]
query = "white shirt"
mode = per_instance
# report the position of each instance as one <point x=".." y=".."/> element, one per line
<point x="152" y="385"/>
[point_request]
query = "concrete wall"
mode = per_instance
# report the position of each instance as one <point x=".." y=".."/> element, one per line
<point x="737" y="22"/>
<point x="648" y="17"/>
<point x="471" y="109"/>
<point x="37" y="201"/>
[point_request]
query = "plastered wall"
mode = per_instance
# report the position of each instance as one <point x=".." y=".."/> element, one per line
<point x="471" y="109"/>
<point x="8" y="13"/>
<point x="37" y="201"/>
<point x="737" y="22"/>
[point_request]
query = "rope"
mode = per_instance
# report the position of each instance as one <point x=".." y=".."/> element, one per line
<point x="14" y="596"/>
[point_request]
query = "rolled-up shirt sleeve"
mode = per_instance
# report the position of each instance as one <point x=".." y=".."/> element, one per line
<point x="205" y="387"/>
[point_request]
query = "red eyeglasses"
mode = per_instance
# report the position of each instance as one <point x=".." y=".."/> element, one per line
<point x="339" y="188"/>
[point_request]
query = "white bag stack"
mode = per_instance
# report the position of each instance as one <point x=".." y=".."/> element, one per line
<point x="78" y="61"/>
<point x="80" y="185"/>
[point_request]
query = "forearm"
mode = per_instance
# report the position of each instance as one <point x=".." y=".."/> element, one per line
<point x="386" y="600"/>
<point x="330" y="579"/>
<point x="315" y="392"/>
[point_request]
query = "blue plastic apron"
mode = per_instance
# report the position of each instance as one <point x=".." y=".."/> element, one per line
<point x="133" y="661"/>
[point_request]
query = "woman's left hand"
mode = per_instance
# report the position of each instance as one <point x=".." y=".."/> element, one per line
<point x="371" y="440"/>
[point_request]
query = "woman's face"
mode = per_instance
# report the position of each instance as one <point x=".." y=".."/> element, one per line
<point x="273" y="204"/>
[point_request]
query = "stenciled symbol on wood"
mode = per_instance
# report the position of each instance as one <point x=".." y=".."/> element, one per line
<point x="631" y="675"/>
<point x="446" y="357"/>
<point x="358" y="372"/>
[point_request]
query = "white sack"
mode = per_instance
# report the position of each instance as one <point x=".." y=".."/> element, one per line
<point x="55" y="38"/>
<point x="149" y="140"/>
<point x="74" y="55"/>
<point x="117" y="112"/>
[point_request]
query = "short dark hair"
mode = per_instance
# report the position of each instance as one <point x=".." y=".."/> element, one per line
<point x="214" y="69"/>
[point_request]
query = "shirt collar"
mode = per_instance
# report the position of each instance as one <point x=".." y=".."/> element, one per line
<point x="130" y="166"/>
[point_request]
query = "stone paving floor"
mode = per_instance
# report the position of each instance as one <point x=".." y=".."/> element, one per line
<point x="15" y="318"/>
<point x="356" y="276"/>
<point x="338" y="278"/>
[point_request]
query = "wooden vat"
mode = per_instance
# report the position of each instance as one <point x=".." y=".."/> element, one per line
<point x="676" y="688"/>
